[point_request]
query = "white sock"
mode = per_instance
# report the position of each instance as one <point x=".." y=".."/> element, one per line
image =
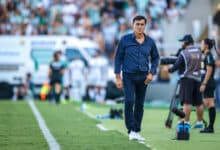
<point x="187" y="122"/>
<point x="180" y="121"/>
<point x="199" y="122"/>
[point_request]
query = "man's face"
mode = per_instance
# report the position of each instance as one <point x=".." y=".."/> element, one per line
<point x="139" y="26"/>
<point x="183" y="45"/>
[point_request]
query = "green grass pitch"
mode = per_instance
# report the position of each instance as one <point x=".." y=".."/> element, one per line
<point x="75" y="130"/>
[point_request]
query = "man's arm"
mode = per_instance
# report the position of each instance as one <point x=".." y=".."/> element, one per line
<point x="154" y="59"/>
<point x="179" y="62"/>
<point x="119" y="56"/>
<point x="154" y="63"/>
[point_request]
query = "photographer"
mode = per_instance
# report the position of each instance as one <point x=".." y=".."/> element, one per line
<point x="188" y="64"/>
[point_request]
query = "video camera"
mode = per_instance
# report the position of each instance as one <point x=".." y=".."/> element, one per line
<point x="168" y="60"/>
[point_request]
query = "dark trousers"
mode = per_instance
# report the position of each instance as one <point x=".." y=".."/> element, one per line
<point x="135" y="90"/>
<point x="53" y="94"/>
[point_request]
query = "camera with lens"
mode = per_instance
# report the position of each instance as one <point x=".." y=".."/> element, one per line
<point x="168" y="60"/>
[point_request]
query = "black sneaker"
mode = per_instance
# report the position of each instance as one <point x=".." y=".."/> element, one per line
<point x="207" y="130"/>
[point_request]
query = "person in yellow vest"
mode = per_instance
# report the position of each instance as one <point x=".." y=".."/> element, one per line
<point x="44" y="91"/>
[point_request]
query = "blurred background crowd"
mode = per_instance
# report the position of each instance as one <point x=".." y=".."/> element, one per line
<point x="104" y="21"/>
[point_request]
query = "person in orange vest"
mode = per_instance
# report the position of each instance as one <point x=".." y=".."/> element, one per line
<point x="44" y="91"/>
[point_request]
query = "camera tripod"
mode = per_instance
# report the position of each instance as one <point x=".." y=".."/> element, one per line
<point x="173" y="104"/>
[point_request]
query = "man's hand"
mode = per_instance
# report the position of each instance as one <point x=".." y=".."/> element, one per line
<point x="148" y="79"/>
<point x="119" y="83"/>
<point x="165" y="68"/>
<point x="202" y="88"/>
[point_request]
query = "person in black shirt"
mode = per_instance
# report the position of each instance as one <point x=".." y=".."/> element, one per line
<point x="208" y="82"/>
<point x="55" y="75"/>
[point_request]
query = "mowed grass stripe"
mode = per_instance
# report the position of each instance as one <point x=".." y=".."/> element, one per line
<point x="75" y="131"/>
<point x="154" y="128"/>
<point x="18" y="128"/>
<point x="160" y="138"/>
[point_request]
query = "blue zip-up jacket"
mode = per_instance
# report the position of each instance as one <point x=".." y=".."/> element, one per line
<point x="132" y="57"/>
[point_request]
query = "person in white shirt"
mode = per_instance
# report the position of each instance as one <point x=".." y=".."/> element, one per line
<point x="77" y="70"/>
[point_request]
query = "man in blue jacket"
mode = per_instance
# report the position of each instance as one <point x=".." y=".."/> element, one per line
<point x="132" y="58"/>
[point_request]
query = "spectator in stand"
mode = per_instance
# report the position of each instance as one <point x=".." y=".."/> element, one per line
<point x="156" y="33"/>
<point x="172" y="12"/>
<point x="78" y="18"/>
<point x="123" y="29"/>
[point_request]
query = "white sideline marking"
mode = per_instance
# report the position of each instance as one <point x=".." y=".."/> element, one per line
<point x="101" y="127"/>
<point x="90" y="115"/>
<point x="53" y="145"/>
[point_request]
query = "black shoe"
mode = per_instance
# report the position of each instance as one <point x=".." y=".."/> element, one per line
<point x="207" y="130"/>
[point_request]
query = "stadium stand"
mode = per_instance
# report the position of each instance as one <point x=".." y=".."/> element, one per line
<point x="95" y="19"/>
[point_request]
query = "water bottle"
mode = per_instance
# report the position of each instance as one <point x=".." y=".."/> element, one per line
<point x="83" y="107"/>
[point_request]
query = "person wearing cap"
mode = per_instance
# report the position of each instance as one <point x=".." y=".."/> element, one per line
<point x="190" y="77"/>
<point x="132" y="57"/>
